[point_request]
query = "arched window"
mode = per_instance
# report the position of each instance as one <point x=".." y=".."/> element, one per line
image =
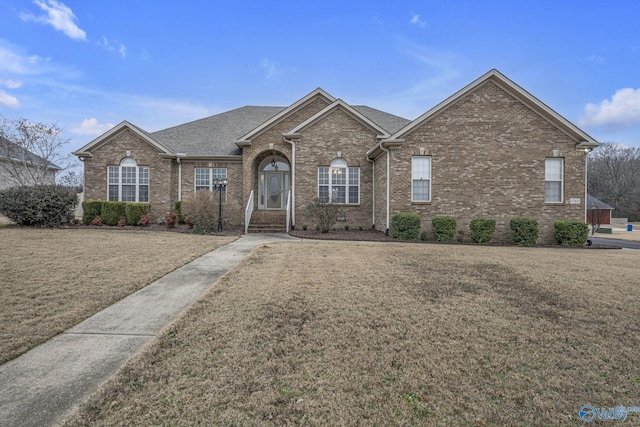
<point x="339" y="183"/>
<point x="128" y="182"/>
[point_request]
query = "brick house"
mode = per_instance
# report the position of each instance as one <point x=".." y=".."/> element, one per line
<point x="490" y="150"/>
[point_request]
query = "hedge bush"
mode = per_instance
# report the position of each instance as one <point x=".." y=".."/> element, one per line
<point x="405" y="226"/>
<point x="571" y="233"/>
<point x="524" y="231"/>
<point x="111" y="212"/>
<point x="482" y="230"/>
<point x="39" y="205"/>
<point x="133" y="212"/>
<point x="444" y="228"/>
<point x="90" y="210"/>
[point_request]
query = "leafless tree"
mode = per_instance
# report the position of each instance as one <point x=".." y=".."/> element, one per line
<point x="614" y="176"/>
<point x="31" y="153"/>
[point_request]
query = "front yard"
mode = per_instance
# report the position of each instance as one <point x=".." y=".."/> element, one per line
<point x="51" y="279"/>
<point x="324" y="333"/>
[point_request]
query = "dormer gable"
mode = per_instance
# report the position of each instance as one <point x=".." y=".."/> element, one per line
<point x="245" y="140"/>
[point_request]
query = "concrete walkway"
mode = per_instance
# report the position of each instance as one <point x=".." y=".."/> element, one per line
<point x="43" y="386"/>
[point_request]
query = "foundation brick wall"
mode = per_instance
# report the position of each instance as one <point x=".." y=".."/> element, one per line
<point x="161" y="191"/>
<point x="488" y="155"/>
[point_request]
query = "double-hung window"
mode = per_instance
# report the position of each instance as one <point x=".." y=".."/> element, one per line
<point x="553" y="180"/>
<point x="421" y="179"/>
<point x="339" y="183"/>
<point x="206" y="177"/>
<point x="128" y="182"/>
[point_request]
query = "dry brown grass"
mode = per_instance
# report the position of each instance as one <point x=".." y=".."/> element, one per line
<point x="51" y="279"/>
<point x="324" y="333"/>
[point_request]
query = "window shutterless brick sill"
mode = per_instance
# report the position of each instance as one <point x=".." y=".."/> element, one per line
<point x="421" y="203"/>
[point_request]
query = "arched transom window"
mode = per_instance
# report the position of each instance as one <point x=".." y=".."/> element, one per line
<point x="339" y="183"/>
<point x="128" y="182"/>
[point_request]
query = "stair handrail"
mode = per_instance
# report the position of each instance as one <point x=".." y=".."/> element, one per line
<point x="248" y="212"/>
<point x="288" y="210"/>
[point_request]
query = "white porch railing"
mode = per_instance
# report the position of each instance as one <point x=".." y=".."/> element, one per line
<point x="288" y="210"/>
<point x="248" y="212"/>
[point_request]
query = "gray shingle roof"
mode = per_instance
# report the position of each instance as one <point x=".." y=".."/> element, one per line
<point x="9" y="149"/>
<point x="386" y="121"/>
<point x="593" y="203"/>
<point x="216" y="135"/>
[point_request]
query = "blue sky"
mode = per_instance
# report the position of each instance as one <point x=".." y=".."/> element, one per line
<point x="88" y="65"/>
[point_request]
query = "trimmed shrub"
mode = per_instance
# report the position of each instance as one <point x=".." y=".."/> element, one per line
<point x="482" y="230"/>
<point x="524" y="231"/>
<point x="39" y="205"/>
<point x="571" y="233"/>
<point x="111" y="212"/>
<point x="405" y="226"/>
<point x="444" y="228"/>
<point x="133" y="212"/>
<point x="323" y="214"/>
<point x="90" y="210"/>
<point x="424" y="236"/>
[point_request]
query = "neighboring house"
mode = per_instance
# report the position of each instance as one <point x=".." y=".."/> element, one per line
<point x="598" y="212"/>
<point x="19" y="166"/>
<point x="491" y="150"/>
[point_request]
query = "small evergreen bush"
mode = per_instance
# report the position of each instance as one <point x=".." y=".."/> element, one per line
<point x="482" y="230"/>
<point x="39" y="205"/>
<point x="424" y="236"/>
<point x="90" y="210"/>
<point x="444" y="228"/>
<point x="405" y="226"/>
<point x="571" y="233"/>
<point x="178" y="208"/>
<point x="133" y="212"/>
<point x="524" y="231"/>
<point x="111" y="212"/>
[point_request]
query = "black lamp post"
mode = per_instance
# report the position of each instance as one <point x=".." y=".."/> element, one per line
<point x="220" y="184"/>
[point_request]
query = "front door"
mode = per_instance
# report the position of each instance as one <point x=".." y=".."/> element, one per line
<point x="274" y="189"/>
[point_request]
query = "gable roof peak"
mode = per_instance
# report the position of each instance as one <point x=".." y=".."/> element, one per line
<point x="318" y="92"/>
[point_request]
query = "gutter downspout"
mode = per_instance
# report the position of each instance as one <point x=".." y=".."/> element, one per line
<point x="373" y="207"/>
<point x="178" y="155"/>
<point x="293" y="181"/>
<point x="386" y="150"/>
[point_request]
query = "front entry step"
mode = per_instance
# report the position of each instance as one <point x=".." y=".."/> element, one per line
<point x="268" y="222"/>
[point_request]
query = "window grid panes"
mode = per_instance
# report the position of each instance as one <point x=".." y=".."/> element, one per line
<point x="339" y="183"/>
<point x="128" y="182"/>
<point x="421" y="179"/>
<point x="553" y="180"/>
<point x="205" y="178"/>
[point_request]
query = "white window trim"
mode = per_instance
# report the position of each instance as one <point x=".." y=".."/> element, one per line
<point x="210" y="186"/>
<point x="346" y="184"/>
<point x="137" y="184"/>
<point x="429" y="179"/>
<point x="561" y="201"/>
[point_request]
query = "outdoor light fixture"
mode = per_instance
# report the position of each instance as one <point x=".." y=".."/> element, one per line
<point x="220" y="184"/>
<point x="274" y="165"/>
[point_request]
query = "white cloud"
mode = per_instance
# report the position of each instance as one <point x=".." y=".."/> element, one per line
<point x="120" y="48"/>
<point x="623" y="109"/>
<point x="59" y="16"/>
<point x="13" y="62"/>
<point x="91" y="127"/>
<point x="11" y="84"/>
<point x="272" y="69"/>
<point x="417" y="20"/>
<point x="7" y="100"/>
